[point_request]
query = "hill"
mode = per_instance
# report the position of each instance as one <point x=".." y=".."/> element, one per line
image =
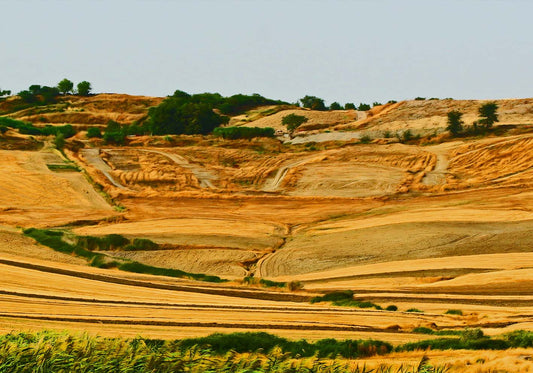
<point x="431" y="224"/>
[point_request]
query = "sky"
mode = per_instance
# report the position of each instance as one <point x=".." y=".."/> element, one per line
<point x="345" y="51"/>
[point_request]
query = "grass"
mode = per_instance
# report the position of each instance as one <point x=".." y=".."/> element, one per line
<point x="414" y="310"/>
<point x="454" y="312"/>
<point x="83" y="246"/>
<point x="344" y="298"/>
<point x="63" y="167"/>
<point x="48" y="351"/>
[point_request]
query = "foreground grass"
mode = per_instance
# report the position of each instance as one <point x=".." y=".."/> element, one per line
<point x="81" y="248"/>
<point x="63" y="352"/>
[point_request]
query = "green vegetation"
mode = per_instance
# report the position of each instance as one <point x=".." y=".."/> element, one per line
<point x="313" y="103"/>
<point x="48" y="351"/>
<point x="345" y="299"/>
<point x="293" y="121"/>
<point x="84" y="88"/>
<point x="29" y="129"/>
<point x="263" y="282"/>
<point x="488" y="114"/>
<point x="83" y="246"/>
<point x="254" y="342"/>
<point x="455" y="124"/>
<point x="234" y="133"/>
<point x="4" y="92"/>
<point x="187" y="114"/>
<point x="454" y="312"/>
<point x="365" y="139"/>
<point x="38" y="95"/>
<point x="63" y="167"/>
<point x="375" y="103"/>
<point x="363" y="107"/>
<point x="392" y="307"/>
<point x="414" y="310"/>
<point x="335" y="106"/>
<point x="65" y="86"/>
<point x="94" y="132"/>
<point x="349" y="106"/>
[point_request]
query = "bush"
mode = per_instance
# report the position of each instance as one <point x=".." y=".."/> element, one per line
<point x="261" y="341"/>
<point x="363" y="107"/>
<point x="454" y="312"/>
<point x="365" y="139"/>
<point x="420" y="98"/>
<point x="293" y="121"/>
<point x="392" y="307"/>
<point x="414" y="310"/>
<point x="335" y="106"/>
<point x="144" y="244"/>
<point x="375" y="103"/>
<point x="349" y="106"/>
<point x="93" y="132"/>
<point x="313" y="102"/>
<point x="334" y="296"/>
<point x="234" y="133"/>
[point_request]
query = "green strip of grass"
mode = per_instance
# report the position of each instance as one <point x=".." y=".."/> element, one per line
<point x="54" y="240"/>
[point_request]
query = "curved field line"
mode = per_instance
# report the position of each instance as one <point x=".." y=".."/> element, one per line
<point x="248" y="293"/>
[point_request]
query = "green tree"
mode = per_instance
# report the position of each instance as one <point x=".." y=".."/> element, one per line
<point x="488" y="114"/>
<point x="455" y="123"/>
<point x="293" y="121"/>
<point x="363" y="107"/>
<point x="349" y="106"/>
<point x="335" y="106"/>
<point x="312" y="102"/>
<point x="94" y="132"/>
<point x="59" y="141"/>
<point x="84" y="88"/>
<point x="5" y="92"/>
<point x="65" y="86"/>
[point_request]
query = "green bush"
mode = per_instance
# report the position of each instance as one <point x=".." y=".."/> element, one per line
<point x="363" y="107"/>
<point x="335" y="296"/>
<point x="454" y="312"/>
<point x="93" y="132"/>
<point x="414" y="310"/>
<point x="392" y="307"/>
<point x="234" y="133"/>
<point x="261" y="341"/>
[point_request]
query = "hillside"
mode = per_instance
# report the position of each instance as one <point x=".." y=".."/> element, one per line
<point x="432" y="224"/>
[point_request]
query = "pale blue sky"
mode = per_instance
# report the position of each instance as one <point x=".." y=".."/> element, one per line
<point x="346" y="51"/>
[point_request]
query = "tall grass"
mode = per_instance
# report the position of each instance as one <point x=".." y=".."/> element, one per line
<point x="63" y="352"/>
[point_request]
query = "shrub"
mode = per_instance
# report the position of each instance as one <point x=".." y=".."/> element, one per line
<point x="375" y="103"/>
<point x="349" y="106"/>
<point x="454" y="312"/>
<point x="335" y="106"/>
<point x="293" y="121"/>
<point x="334" y="296"/>
<point x="234" y="133"/>
<point x="295" y="285"/>
<point x="420" y="98"/>
<point x="93" y="132"/>
<point x="392" y="307"/>
<point x="520" y="338"/>
<point x="414" y="310"/>
<point x="363" y="107"/>
<point x="365" y="139"/>
<point x="455" y="124"/>
<point x="313" y="102"/>
<point x="488" y="114"/>
<point x="144" y="244"/>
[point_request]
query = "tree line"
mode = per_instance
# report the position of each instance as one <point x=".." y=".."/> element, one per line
<point x="487" y="112"/>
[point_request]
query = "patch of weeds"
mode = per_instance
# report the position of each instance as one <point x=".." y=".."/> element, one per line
<point x="454" y="312"/>
<point x="414" y="310"/>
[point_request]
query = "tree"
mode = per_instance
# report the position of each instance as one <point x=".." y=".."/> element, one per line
<point x="5" y="93"/>
<point x="84" y="88"/>
<point x="59" y="141"/>
<point x="455" y="123"/>
<point x="293" y="121"/>
<point x="363" y="107"/>
<point x="94" y="132"/>
<point x="488" y="114"/>
<point x="335" y="106"/>
<point x="65" y="86"/>
<point x="349" y="106"/>
<point x="312" y="102"/>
